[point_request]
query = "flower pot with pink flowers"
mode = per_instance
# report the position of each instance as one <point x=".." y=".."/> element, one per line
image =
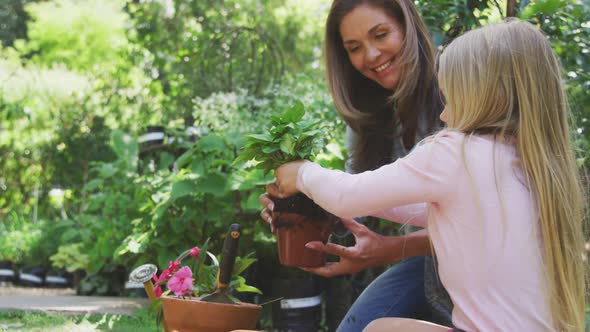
<point x="297" y="220"/>
<point x="195" y="292"/>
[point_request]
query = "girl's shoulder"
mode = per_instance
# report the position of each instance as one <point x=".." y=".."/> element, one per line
<point x="447" y="136"/>
<point x="454" y="136"/>
<point x="453" y="142"/>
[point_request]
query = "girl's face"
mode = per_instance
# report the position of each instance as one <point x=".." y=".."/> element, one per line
<point x="444" y="116"/>
<point x="446" y="113"/>
<point x="373" y="41"/>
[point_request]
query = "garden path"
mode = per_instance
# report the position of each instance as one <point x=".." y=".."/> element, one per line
<point x="66" y="301"/>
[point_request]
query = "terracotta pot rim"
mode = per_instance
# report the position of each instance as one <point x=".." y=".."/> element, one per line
<point x="196" y="299"/>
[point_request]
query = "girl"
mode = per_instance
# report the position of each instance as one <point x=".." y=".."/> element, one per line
<point x="498" y="189"/>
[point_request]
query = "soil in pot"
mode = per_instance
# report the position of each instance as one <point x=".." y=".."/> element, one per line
<point x="298" y="220"/>
<point x="193" y="315"/>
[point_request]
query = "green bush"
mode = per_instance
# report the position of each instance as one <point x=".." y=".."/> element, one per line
<point x="83" y="35"/>
<point x="18" y="238"/>
<point x="567" y="23"/>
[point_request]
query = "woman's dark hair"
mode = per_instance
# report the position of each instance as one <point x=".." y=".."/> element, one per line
<point x="370" y="110"/>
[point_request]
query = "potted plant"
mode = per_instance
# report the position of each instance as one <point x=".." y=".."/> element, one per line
<point x="296" y="220"/>
<point x="197" y="296"/>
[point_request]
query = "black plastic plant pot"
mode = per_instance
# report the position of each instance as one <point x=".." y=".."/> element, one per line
<point x="297" y="220"/>
<point x="31" y="277"/>
<point x="300" y="305"/>
<point x="58" y="279"/>
<point x="135" y="289"/>
<point x="7" y="272"/>
<point x="154" y="135"/>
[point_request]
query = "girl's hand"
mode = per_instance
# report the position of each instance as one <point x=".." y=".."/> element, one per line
<point x="286" y="183"/>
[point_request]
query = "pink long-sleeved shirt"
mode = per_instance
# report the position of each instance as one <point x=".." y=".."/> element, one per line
<point x="471" y="193"/>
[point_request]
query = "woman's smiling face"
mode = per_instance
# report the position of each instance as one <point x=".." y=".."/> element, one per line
<point x="373" y="41"/>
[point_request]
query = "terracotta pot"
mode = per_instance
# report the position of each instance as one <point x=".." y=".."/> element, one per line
<point x="298" y="220"/>
<point x="193" y="315"/>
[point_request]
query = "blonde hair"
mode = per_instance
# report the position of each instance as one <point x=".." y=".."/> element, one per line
<point x="367" y="107"/>
<point x="504" y="79"/>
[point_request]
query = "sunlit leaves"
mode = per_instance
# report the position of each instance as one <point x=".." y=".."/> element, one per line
<point x="289" y="137"/>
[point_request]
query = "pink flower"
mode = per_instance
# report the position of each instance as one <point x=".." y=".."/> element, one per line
<point x="181" y="282"/>
<point x="195" y="252"/>
<point x="158" y="290"/>
<point x="172" y="266"/>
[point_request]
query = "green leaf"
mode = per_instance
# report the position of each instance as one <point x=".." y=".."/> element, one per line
<point x="125" y="147"/>
<point x="198" y="166"/>
<point x="295" y="113"/>
<point x="107" y="170"/>
<point x="211" y="143"/>
<point x="182" y="188"/>
<point x="242" y="263"/>
<point x="288" y="144"/>
<point x="93" y="184"/>
<point x="239" y="284"/>
<point x="247" y="288"/>
<point x="270" y="149"/>
<point x="261" y="137"/>
<point x="544" y="7"/>
<point x="213" y="183"/>
<point x="203" y="252"/>
<point x="184" y="158"/>
<point x="251" y="203"/>
<point x="166" y="160"/>
<point x="245" y="180"/>
<point x="135" y="244"/>
<point x="275" y="119"/>
<point x="165" y="255"/>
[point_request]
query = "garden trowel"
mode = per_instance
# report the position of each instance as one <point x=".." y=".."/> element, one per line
<point x="226" y="266"/>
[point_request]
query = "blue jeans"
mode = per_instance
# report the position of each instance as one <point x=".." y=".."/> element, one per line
<point x="397" y="292"/>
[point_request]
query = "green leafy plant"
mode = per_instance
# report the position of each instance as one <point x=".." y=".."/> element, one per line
<point x="80" y="34"/>
<point x="17" y="239"/>
<point x="290" y="137"/>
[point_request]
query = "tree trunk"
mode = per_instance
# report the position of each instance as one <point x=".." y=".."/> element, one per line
<point x="511" y="8"/>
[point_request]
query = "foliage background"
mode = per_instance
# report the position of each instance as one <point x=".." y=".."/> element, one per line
<point x="81" y="80"/>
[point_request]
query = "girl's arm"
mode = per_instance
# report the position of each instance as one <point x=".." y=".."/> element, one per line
<point x="425" y="175"/>
<point x="414" y="214"/>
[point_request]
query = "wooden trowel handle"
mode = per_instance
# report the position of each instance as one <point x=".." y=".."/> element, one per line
<point x="228" y="255"/>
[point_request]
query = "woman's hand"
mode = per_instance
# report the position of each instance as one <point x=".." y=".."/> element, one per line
<point x="371" y="249"/>
<point x="286" y="178"/>
<point x="266" y="201"/>
<point x="266" y="213"/>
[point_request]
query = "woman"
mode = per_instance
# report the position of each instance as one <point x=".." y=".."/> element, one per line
<point x="380" y="67"/>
